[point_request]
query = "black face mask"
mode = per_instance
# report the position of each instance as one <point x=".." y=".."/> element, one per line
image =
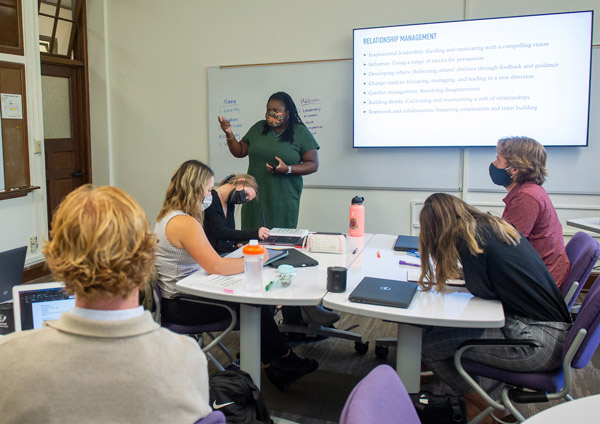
<point x="237" y="197"/>
<point x="499" y="175"/>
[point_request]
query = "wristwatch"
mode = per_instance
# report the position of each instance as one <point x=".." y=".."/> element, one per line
<point x="289" y="169"/>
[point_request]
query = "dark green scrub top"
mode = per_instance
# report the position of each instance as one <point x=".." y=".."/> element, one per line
<point x="278" y="199"/>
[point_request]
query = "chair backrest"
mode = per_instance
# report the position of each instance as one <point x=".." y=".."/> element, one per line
<point x="380" y="397"/>
<point x="589" y="319"/>
<point x="583" y="252"/>
<point x="149" y="298"/>
<point x="215" y="417"/>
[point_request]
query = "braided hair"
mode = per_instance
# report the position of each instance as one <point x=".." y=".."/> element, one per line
<point x="294" y="117"/>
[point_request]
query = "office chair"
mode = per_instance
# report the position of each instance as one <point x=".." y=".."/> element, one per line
<point x="196" y="331"/>
<point x="380" y="397"/>
<point x="215" y="417"/>
<point x="316" y="329"/>
<point x="583" y="252"/>
<point x="522" y="387"/>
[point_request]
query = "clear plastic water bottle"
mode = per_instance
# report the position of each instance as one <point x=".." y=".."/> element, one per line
<point x="357" y="217"/>
<point x="253" y="266"/>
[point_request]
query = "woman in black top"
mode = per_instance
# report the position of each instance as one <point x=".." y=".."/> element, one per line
<point x="219" y="221"/>
<point x="498" y="263"/>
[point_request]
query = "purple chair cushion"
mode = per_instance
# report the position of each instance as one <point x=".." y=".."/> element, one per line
<point x="583" y="252"/>
<point x="380" y="397"/>
<point x="215" y="417"/>
<point x="551" y="381"/>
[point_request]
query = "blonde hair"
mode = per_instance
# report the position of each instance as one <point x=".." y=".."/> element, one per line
<point x="246" y="179"/>
<point x="526" y="155"/>
<point x="445" y="221"/>
<point x="100" y="244"/>
<point x="186" y="190"/>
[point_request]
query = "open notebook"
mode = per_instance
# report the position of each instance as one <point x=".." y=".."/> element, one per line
<point x="285" y="237"/>
<point x="33" y="304"/>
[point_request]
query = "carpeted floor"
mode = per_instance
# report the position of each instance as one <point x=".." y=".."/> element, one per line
<point x="319" y="397"/>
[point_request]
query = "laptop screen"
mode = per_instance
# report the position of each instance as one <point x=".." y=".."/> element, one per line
<point x="12" y="263"/>
<point x="36" y="303"/>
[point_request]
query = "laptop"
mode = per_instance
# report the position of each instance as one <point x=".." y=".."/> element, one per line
<point x="33" y="304"/>
<point x="406" y="243"/>
<point x="296" y="259"/>
<point x="12" y="264"/>
<point x="379" y="291"/>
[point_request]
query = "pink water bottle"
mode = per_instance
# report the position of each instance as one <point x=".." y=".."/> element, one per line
<point x="357" y="217"/>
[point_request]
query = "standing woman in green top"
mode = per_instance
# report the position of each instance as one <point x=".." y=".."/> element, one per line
<point x="280" y="150"/>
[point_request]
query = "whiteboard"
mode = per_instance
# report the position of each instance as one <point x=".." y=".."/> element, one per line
<point x="322" y="92"/>
<point x="573" y="170"/>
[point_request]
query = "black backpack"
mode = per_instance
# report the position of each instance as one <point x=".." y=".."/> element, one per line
<point x="234" y="394"/>
<point x="439" y="409"/>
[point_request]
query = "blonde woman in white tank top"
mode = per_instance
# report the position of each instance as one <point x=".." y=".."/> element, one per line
<point x="183" y="248"/>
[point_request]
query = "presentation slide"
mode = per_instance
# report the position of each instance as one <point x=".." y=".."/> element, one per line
<point x="469" y="83"/>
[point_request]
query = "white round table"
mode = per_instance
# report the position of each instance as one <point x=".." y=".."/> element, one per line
<point x="576" y="411"/>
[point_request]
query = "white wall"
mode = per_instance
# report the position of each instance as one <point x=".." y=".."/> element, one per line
<point x="148" y="88"/>
<point x="158" y="60"/>
<point x="158" y="57"/>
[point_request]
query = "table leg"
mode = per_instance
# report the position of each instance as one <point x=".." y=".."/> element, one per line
<point x="250" y="341"/>
<point x="408" y="356"/>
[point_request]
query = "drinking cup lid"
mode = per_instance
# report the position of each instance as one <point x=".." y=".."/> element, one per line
<point x="253" y="248"/>
<point x="286" y="269"/>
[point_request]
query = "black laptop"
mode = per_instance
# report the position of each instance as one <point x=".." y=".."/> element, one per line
<point x="379" y="291"/>
<point x="406" y="243"/>
<point x="12" y="264"/>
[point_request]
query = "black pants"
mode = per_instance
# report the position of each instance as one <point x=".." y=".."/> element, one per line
<point x="182" y="312"/>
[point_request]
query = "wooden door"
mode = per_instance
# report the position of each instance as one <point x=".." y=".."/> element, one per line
<point x="62" y="133"/>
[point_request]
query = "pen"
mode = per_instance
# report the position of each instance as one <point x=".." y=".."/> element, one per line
<point x="416" y="255"/>
<point x="354" y="251"/>
<point x="407" y="263"/>
<point x="378" y="254"/>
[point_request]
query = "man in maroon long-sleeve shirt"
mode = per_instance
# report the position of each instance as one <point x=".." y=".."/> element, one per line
<point x="520" y="167"/>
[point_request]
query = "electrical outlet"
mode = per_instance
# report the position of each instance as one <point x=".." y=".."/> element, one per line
<point x="38" y="146"/>
<point x="33" y="244"/>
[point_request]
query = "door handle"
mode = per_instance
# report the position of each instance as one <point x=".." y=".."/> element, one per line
<point x="77" y="173"/>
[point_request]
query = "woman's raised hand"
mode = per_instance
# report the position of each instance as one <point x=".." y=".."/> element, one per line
<point x="225" y="125"/>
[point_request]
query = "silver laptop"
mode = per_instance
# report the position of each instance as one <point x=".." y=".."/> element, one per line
<point x="379" y="291"/>
<point x="33" y="304"/>
<point x="12" y="264"/>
